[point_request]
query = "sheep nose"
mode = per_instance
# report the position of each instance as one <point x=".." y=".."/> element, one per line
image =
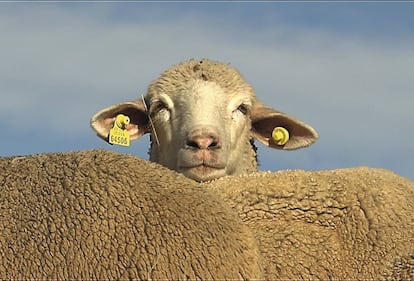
<point x="203" y="139"/>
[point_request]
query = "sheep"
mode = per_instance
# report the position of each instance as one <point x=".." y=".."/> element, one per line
<point x="203" y="117"/>
<point x="354" y="223"/>
<point x="104" y="215"/>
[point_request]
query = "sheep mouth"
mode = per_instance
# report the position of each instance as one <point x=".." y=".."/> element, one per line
<point x="203" y="166"/>
<point x="203" y="172"/>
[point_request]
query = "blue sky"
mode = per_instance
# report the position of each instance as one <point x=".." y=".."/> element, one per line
<point x="346" y="68"/>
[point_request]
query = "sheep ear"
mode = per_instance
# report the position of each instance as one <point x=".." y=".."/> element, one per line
<point x="103" y="121"/>
<point x="265" y="119"/>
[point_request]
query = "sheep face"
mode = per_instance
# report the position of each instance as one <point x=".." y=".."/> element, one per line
<point x="202" y="117"/>
<point x="203" y="130"/>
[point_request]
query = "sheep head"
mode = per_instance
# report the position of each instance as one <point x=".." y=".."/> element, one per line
<point x="203" y="117"/>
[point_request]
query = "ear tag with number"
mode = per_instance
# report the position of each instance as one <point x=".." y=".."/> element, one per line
<point x="119" y="134"/>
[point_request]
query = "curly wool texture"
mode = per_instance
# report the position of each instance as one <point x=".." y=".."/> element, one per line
<point x="344" y="224"/>
<point x="104" y="215"/>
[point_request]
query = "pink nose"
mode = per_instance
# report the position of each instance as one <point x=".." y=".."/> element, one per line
<point x="203" y="139"/>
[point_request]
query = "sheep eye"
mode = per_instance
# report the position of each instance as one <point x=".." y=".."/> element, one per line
<point x="243" y="109"/>
<point x="157" y="107"/>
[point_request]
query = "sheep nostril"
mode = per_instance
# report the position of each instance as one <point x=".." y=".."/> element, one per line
<point x="214" y="144"/>
<point x="192" y="144"/>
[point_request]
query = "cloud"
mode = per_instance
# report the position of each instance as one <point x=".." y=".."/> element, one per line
<point x="60" y="65"/>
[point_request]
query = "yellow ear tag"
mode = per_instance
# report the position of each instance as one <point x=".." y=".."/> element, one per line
<point x="119" y="134"/>
<point x="280" y="135"/>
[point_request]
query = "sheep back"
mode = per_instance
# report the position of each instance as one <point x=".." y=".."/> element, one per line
<point x="353" y="223"/>
<point x="105" y="215"/>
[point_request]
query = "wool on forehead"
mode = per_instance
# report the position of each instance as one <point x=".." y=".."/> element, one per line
<point x="180" y="76"/>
